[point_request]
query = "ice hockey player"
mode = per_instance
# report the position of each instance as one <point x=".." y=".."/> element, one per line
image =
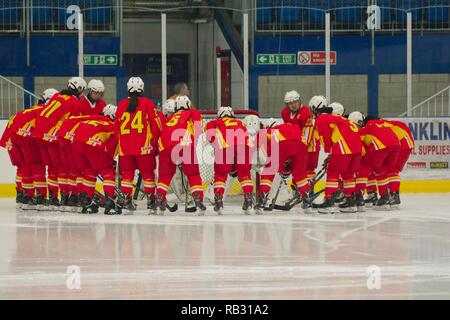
<point x="177" y="147"/>
<point x="284" y="143"/>
<point x="138" y="127"/>
<point x="406" y="139"/>
<point x="69" y="173"/>
<point x="230" y="139"/>
<point x="338" y="109"/>
<point x="48" y="123"/>
<point x="299" y="114"/>
<point x="92" y="102"/>
<point x="340" y="138"/>
<point x="168" y="108"/>
<point x="382" y="151"/>
<point x="94" y="147"/>
<point x="24" y="154"/>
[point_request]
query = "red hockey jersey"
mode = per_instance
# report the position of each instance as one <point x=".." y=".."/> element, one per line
<point x="280" y="133"/>
<point x="88" y="108"/>
<point x="183" y="127"/>
<point x="338" y="135"/>
<point x="138" y="132"/>
<point x="68" y="127"/>
<point x="55" y="111"/>
<point x="304" y="119"/>
<point x="226" y="132"/>
<point x="378" y="134"/>
<point x="403" y="133"/>
<point x="97" y="133"/>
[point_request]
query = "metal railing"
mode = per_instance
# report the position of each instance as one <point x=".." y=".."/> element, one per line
<point x="12" y="14"/>
<point x="438" y="105"/>
<point x="349" y="16"/>
<point x="14" y="98"/>
<point x="100" y="16"/>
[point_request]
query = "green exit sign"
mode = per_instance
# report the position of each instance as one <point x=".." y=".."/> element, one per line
<point x="276" y="58"/>
<point x="100" y="59"/>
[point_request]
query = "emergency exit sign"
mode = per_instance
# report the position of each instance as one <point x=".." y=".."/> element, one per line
<point x="267" y="58"/>
<point x="100" y="59"/>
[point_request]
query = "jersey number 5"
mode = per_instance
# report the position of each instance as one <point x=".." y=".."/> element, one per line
<point x="136" y="123"/>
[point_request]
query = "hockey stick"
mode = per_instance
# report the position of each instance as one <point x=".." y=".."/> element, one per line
<point x="185" y="189"/>
<point x="137" y="187"/>
<point x="119" y="193"/>
<point x="273" y="205"/>
<point x="313" y="195"/>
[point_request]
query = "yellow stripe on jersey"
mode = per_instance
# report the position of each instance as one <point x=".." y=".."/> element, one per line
<point x="222" y="143"/>
<point x="336" y="137"/>
<point x="370" y="139"/>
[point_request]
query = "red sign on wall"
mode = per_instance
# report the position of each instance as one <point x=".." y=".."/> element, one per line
<point x="315" y="57"/>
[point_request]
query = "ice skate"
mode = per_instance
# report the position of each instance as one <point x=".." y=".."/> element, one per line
<point x="112" y="207"/>
<point x="248" y="204"/>
<point x="90" y="205"/>
<point x="199" y="205"/>
<point x="151" y="204"/>
<point x="160" y="204"/>
<point x="348" y="205"/>
<point x="261" y="203"/>
<point x="218" y="203"/>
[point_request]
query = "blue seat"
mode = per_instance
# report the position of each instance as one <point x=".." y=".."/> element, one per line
<point x="9" y="16"/>
<point x="10" y="13"/>
<point x="264" y="16"/>
<point x="42" y="16"/>
<point x="438" y="14"/>
<point x="290" y="16"/>
<point x="350" y="15"/>
<point x="98" y="16"/>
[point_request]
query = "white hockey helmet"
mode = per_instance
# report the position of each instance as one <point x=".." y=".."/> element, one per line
<point x="135" y="84"/>
<point x="96" y="85"/>
<point x="271" y="122"/>
<point x="337" y="108"/>
<point x="252" y="123"/>
<point x="318" y="103"/>
<point x="356" y="117"/>
<point x="225" y="112"/>
<point x="182" y="103"/>
<point x="291" y="96"/>
<point x="78" y="84"/>
<point x="48" y="93"/>
<point x="168" y="107"/>
<point x="110" y="111"/>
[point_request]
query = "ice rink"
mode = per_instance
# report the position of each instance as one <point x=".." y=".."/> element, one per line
<point x="274" y="256"/>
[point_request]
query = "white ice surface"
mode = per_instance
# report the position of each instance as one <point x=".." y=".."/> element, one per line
<point x="274" y="256"/>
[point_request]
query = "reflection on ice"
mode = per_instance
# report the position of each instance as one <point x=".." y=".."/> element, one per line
<point x="276" y="256"/>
